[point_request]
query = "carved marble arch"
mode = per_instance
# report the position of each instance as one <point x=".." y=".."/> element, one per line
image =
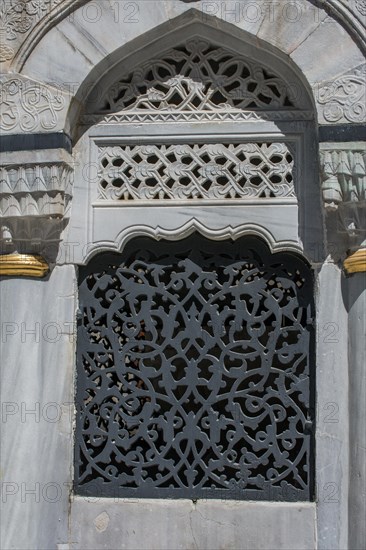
<point x="206" y="132"/>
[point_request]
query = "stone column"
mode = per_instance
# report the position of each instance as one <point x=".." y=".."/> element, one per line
<point x="344" y="193"/>
<point x="356" y="294"/>
<point x="38" y="305"/>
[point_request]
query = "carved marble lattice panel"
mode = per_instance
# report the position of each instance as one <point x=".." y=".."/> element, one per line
<point x="194" y="370"/>
<point x="196" y="76"/>
<point x="210" y="171"/>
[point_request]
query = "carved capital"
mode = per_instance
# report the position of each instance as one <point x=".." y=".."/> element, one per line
<point x="343" y="180"/>
<point x="35" y="199"/>
<point x="343" y="167"/>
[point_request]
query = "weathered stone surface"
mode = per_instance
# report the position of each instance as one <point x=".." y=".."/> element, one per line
<point x="85" y="40"/>
<point x="17" y="19"/>
<point x="288" y="24"/>
<point x="172" y="525"/>
<point x="356" y="303"/>
<point x="318" y="58"/>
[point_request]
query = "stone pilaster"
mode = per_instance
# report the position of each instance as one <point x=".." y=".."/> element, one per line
<point x="344" y="194"/>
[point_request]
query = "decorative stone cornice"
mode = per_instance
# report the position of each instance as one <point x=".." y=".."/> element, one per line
<point x="23" y="265"/>
<point x="38" y="190"/>
<point x="35" y="199"/>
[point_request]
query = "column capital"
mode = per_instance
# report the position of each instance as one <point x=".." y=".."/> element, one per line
<point x="35" y="201"/>
<point x="343" y="182"/>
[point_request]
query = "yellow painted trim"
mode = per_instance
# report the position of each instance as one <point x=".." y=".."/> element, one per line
<point x="23" y="265"/>
<point x="356" y="262"/>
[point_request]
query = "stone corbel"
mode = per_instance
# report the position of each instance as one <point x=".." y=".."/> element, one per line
<point x="343" y="171"/>
<point x="35" y="200"/>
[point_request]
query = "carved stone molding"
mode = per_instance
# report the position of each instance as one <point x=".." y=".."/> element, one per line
<point x="343" y="99"/>
<point x="350" y="14"/>
<point x="193" y="225"/>
<point x="35" y="199"/>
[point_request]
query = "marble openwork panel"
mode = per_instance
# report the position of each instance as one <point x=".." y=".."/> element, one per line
<point x="199" y="76"/>
<point x="195" y="171"/>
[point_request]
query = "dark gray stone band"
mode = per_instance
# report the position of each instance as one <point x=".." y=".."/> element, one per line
<point x="342" y="132"/>
<point x="29" y="142"/>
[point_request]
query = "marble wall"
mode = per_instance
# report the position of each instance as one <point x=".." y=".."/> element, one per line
<point x="54" y="57"/>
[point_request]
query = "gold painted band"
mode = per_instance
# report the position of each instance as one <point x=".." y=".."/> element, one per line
<point x="356" y="262"/>
<point x="23" y="265"/>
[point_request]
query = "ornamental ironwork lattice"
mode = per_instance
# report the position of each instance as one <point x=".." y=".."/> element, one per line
<point x="194" y="372"/>
<point x="210" y="171"/>
<point x="197" y="76"/>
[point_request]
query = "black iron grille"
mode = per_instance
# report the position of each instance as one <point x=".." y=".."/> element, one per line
<point x="195" y="369"/>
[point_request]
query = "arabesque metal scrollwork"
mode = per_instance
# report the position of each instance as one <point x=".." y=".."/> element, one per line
<point x="195" y="362"/>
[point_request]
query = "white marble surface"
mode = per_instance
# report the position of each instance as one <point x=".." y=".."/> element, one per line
<point x="89" y="39"/>
<point x="288" y="24"/>
<point x="332" y="432"/>
<point x="357" y="375"/>
<point x="36" y="375"/>
<point x="320" y="60"/>
<point x="173" y="525"/>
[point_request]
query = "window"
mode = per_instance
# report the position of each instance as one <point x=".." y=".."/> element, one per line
<point x="195" y="370"/>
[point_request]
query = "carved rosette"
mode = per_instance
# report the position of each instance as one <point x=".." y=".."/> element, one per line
<point x="35" y="200"/>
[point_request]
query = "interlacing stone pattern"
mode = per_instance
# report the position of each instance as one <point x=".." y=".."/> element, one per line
<point x="210" y="171"/>
<point x="195" y="372"/>
<point x="197" y="76"/>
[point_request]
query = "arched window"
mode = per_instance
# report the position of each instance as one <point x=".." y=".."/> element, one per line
<point x="196" y="354"/>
